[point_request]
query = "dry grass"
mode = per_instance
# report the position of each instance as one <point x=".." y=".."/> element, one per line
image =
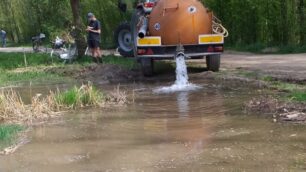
<point x="12" y="107"/>
<point x="117" y="96"/>
<point x="14" y="110"/>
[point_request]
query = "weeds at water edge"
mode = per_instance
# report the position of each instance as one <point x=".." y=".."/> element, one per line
<point x="14" y="110"/>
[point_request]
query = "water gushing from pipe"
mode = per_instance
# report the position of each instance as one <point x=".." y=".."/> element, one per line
<point x="181" y="83"/>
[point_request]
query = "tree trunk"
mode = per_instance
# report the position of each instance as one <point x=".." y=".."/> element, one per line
<point x="301" y="14"/>
<point x="79" y="27"/>
<point x="284" y="22"/>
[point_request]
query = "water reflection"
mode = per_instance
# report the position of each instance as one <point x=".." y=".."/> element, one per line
<point x="183" y="103"/>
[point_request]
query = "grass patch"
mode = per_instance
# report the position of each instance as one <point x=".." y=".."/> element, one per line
<point x="9" y="61"/>
<point x="9" y="77"/>
<point x="288" y="87"/>
<point x="268" y="78"/>
<point x="87" y="95"/>
<point x="128" y="63"/>
<point x="16" y="60"/>
<point x="295" y="92"/>
<point x="299" y="96"/>
<point x="40" y="67"/>
<point x="8" y="134"/>
<point x="249" y="74"/>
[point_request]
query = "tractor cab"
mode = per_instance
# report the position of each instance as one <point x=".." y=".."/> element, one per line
<point x="147" y="5"/>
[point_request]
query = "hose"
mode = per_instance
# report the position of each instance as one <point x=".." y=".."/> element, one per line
<point x="218" y="28"/>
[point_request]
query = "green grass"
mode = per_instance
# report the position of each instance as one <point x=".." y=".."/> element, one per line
<point x="299" y="96"/>
<point x="76" y="97"/>
<point x="128" y="63"/>
<point x="10" y="61"/>
<point x="12" y="77"/>
<point x="8" y="134"/>
<point x="268" y="78"/>
<point x="12" y="66"/>
<point x="295" y="92"/>
<point x="288" y="87"/>
<point x="248" y="74"/>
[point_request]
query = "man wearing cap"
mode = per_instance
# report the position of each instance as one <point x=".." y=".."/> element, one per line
<point x="94" y="39"/>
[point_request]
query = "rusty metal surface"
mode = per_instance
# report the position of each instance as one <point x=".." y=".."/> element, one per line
<point x="179" y="21"/>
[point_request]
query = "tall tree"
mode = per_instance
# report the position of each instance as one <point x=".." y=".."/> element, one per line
<point x="79" y="27"/>
<point x="302" y="28"/>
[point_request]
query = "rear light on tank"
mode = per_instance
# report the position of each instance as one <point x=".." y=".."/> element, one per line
<point x="219" y="48"/>
<point x="145" y="51"/>
<point x="149" y="52"/>
<point x="210" y="49"/>
<point x="141" y="51"/>
<point x="149" y="4"/>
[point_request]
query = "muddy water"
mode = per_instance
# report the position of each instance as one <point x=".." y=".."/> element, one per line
<point x="203" y="130"/>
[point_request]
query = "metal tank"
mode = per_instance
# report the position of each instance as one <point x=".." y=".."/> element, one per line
<point x="179" y="21"/>
<point x="164" y="29"/>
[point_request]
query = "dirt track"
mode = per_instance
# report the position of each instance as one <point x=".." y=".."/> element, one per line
<point x="16" y="49"/>
<point x="289" y="67"/>
<point x="29" y="50"/>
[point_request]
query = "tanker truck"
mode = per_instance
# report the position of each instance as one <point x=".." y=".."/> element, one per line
<point x="160" y="29"/>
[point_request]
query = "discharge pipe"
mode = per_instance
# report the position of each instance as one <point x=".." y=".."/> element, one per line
<point x="144" y="27"/>
<point x="180" y="51"/>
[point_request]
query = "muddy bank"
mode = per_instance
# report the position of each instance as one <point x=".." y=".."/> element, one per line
<point x="98" y="73"/>
<point x="282" y="111"/>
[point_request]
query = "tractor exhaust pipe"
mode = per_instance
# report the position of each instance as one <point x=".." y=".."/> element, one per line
<point x="144" y="27"/>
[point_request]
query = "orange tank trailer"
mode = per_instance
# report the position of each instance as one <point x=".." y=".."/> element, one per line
<point x="180" y="21"/>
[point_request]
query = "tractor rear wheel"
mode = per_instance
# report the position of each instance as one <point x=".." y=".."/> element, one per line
<point x="147" y="66"/>
<point x="124" y="40"/>
<point x="213" y="62"/>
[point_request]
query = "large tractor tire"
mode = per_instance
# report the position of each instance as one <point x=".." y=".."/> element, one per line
<point x="124" y="40"/>
<point x="147" y="66"/>
<point x="213" y="62"/>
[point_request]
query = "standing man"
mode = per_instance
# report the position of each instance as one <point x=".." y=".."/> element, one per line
<point x="3" y="38"/>
<point x="94" y="37"/>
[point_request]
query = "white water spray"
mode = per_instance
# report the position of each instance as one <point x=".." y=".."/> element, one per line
<point x="181" y="83"/>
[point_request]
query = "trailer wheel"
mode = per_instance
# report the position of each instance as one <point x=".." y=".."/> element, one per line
<point x="213" y="62"/>
<point x="147" y="66"/>
<point x="124" y="40"/>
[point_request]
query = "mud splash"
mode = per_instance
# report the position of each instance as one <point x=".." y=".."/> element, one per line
<point x="182" y="80"/>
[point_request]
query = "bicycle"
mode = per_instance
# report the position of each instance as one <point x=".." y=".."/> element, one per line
<point x="37" y="43"/>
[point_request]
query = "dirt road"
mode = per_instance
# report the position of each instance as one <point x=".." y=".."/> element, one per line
<point x="30" y="49"/>
<point x="16" y="49"/>
<point x="289" y="67"/>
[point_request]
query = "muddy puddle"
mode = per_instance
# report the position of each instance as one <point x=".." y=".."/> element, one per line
<point x="202" y="130"/>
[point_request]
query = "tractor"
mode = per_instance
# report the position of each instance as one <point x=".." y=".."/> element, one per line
<point x="158" y="29"/>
